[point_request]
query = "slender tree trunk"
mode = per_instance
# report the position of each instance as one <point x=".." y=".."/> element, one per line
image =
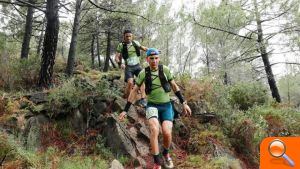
<point x="28" y="31"/>
<point x="93" y="51"/>
<point x="98" y="52"/>
<point x="264" y="55"/>
<point x="207" y="55"/>
<point x="180" y="52"/>
<point x="62" y="46"/>
<point x="167" y="52"/>
<point x="50" y="44"/>
<point x="39" y="47"/>
<point x="106" y="65"/>
<point x="72" y="50"/>
<point x="112" y="62"/>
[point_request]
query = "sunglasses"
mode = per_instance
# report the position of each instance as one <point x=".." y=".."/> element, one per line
<point x="152" y="58"/>
<point x="128" y="36"/>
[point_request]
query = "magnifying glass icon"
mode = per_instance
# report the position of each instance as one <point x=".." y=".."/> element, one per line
<point x="277" y="149"/>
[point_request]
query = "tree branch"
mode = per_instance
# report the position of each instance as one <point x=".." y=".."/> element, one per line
<point x="288" y="63"/>
<point x="22" y="3"/>
<point x="1" y="162"/>
<point x="124" y="12"/>
<point x="31" y="5"/>
<point x="222" y="30"/>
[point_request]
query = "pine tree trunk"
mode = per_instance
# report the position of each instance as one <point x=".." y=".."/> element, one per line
<point x="98" y="52"/>
<point x="39" y="47"/>
<point x="265" y="58"/>
<point x="106" y="64"/>
<point x="50" y="44"/>
<point x="112" y="63"/>
<point x="72" y="50"/>
<point x="93" y="52"/>
<point x="28" y="31"/>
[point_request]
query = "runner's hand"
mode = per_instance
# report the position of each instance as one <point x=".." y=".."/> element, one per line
<point x="186" y="110"/>
<point x="122" y="116"/>
<point x="123" y="66"/>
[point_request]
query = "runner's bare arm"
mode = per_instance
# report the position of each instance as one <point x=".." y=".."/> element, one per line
<point x="174" y="86"/>
<point x="144" y="48"/>
<point x="133" y="94"/>
<point x="117" y="57"/>
<point x="130" y="100"/>
<point x="176" y="89"/>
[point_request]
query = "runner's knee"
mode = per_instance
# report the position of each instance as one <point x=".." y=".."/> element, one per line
<point x="130" y="82"/>
<point x="154" y="129"/>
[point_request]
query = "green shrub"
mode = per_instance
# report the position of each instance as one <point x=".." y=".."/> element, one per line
<point x="209" y="89"/>
<point x="199" y="141"/>
<point x="19" y="73"/>
<point x="15" y="155"/>
<point x="67" y="96"/>
<point x="200" y="161"/>
<point x="282" y="120"/>
<point x="75" y="91"/>
<point x="246" y="95"/>
<point x="79" y="162"/>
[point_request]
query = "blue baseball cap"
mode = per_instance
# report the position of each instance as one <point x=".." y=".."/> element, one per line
<point x="152" y="51"/>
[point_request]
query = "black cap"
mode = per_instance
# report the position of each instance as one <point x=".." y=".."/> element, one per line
<point x="126" y="31"/>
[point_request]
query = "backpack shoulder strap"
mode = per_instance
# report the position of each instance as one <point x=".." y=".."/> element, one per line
<point x="148" y="80"/>
<point x="124" y="51"/>
<point x="163" y="80"/>
<point x="137" y="48"/>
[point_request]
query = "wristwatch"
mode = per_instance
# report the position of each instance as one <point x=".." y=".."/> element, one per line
<point x="184" y="102"/>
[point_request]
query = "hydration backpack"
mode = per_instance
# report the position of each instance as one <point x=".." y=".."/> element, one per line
<point x="125" y="50"/>
<point x="163" y="80"/>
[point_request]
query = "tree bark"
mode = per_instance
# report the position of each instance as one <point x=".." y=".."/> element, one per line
<point x="98" y="52"/>
<point x="93" y="51"/>
<point x="39" y="47"/>
<point x="264" y="55"/>
<point x="112" y="62"/>
<point x="50" y="44"/>
<point x="106" y="64"/>
<point x="72" y="50"/>
<point x="28" y="31"/>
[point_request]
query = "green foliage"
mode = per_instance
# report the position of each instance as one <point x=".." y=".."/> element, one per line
<point x="8" y="46"/>
<point x="75" y="91"/>
<point x="67" y="96"/>
<point x="246" y="95"/>
<point x="19" y="74"/>
<point x="79" y="162"/>
<point x="15" y="155"/>
<point x="18" y="157"/>
<point x="199" y="161"/>
<point x="53" y="158"/>
<point x="215" y="93"/>
<point x="282" y="120"/>
<point x="225" y="162"/>
<point x="199" y="142"/>
<point x="106" y="90"/>
<point x="101" y="149"/>
<point x="289" y="88"/>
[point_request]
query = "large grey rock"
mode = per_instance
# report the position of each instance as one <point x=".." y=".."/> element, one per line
<point x="77" y="121"/>
<point x="141" y="145"/>
<point x="144" y="131"/>
<point x="99" y="106"/>
<point x="118" y="105"/>
<point x="39" y="97"/>
<point x="118" y="137"/>
<point x="32" y="132"/>
<point x="115" y="164"/>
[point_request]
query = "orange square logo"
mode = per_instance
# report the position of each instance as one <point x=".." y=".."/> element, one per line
<point x="280" y="153"/>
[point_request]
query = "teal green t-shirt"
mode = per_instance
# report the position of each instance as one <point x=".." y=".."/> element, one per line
<point x="158" y="94"/>
<point x="132" y="59"/>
